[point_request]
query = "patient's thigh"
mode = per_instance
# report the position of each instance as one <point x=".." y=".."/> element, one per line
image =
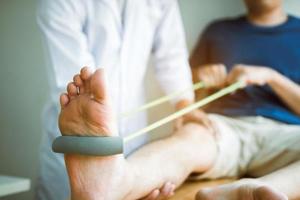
<point x="279" y="147"/>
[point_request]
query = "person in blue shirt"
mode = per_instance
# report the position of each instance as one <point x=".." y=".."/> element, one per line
<point x="241" y="46"/>
<point x="254" y="132"/>
<point x="263" y="50"/>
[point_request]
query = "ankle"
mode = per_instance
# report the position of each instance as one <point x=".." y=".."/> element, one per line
<point x="92" y="178"/>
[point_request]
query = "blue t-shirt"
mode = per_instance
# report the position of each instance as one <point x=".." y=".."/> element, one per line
<point x="236" y="41"/>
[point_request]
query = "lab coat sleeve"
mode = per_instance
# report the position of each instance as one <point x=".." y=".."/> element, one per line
<point x="170" y="54"/>
<point x="61" y="24"/>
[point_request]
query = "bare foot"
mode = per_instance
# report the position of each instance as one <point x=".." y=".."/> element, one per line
<point x="245" y="189"/>
<point x="85" y="111"/>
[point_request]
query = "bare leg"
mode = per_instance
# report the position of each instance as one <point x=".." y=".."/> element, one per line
<point x="191" y="149"/>
<point x="279" y="185"/>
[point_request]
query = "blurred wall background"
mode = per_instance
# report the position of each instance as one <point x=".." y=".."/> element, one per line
<point x="23" y="78"/>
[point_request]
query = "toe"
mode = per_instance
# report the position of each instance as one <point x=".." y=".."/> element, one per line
<point x="98" y="86"/>
<point x="85" y="73"/>
<point x="79" y="83"/>
<point x="203" y="195"/>
<point x="268" y="193"/>
<point x="72" y="89"/>
<point x="64" y="100"/>
<point x="77" y="80"/>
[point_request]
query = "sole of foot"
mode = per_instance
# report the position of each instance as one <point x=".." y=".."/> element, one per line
<point x="86" y="111"/>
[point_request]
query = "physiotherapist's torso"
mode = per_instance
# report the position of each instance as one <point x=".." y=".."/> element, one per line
<point x="120" y="37"/>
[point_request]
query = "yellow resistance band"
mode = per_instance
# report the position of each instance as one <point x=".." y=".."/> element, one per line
<point x="163" y="99"/>
<point x="106" y="146"/>
<point x="219" y="94"/>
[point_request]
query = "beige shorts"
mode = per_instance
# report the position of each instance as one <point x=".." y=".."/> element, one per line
<point x="253" y="146"/>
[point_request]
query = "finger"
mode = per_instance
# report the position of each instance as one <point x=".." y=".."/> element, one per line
<point x="238" y="74"/>
<point x="209" y="79"/>
<point x="205" y="75"/>
<point x="212" y="75"/>
<point x="215" y="76"/>
<point x="166" y="190"/>
<point x="167" y="194"/>
<point x="202" y="76"/>
<point x="222" y="75"/>
<point x="153" y="195"/>
<point x="172" y="190"/>
<point x="233" y="74"/>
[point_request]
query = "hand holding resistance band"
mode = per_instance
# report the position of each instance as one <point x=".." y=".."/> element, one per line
<point x="105" y="146"/>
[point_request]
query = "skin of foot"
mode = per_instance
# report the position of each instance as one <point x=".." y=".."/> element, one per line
<point x="244" y="189"/>
<point x="85" y="111"/>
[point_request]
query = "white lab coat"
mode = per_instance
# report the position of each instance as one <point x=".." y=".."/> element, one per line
<point x="121" y="39"/>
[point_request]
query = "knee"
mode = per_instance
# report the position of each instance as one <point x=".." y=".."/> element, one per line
<point x="195" y="131"/>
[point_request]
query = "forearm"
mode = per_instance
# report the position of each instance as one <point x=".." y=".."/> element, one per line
<point x="287" y="90"/>
<point x="191" y="149"/>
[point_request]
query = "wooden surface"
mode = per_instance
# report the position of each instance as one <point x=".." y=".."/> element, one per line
<point x="12" y="185"/>
<point x="189" y="189"/>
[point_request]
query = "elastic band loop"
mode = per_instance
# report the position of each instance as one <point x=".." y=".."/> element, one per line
<point x="93" y="146"/>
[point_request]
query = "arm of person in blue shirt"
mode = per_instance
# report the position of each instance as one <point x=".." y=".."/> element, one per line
<point x="285" y="88"/>
<point x="215" y="77"/>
